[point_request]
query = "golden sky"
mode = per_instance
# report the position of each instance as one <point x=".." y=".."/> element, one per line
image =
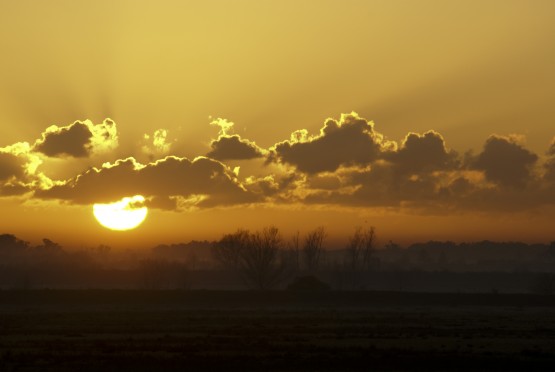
<point x="428" y="119"/>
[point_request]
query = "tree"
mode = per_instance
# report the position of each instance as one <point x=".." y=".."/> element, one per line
<point x="359" y="253"/>
<point x="260" y="259"/>
<point x="360" y="247"/>
<point x="12" y="249"/>
<point x="257" y="257"/>
<point x="312" y="249"/>
<point x="229" y="249"/>
<point x="49" y="252"/>
<point x="10" y="243"/>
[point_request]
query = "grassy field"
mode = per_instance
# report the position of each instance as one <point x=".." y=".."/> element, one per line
<point x="210" y="331"/>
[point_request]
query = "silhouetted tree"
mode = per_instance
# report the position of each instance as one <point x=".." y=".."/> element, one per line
<point x="49" y="247"/>
<point x="360" y="247"/>
<point x="49" y="252"/>
<point x="359" y="253"/>
<point x="260" y="261"/>
<point x="10" y="243"/>
<point x="312" y="249"/>
<point x="228" y="251"/>
<point x="12" y="249"/>
<point x="257" y="257"/>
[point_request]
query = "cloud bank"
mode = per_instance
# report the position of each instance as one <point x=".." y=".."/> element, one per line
<point x="201" y="182"/>
<point x="346" y="163"/>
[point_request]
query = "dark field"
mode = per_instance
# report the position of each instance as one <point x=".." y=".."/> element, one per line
<point x="194" y="330"/>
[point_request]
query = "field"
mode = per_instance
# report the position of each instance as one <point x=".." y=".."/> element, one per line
<point x="195" y="330"/>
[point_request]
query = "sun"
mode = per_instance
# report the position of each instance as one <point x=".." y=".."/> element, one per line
<point x="125" y="214"/>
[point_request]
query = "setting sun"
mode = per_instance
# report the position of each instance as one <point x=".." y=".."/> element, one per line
<point x="125" y="214"/>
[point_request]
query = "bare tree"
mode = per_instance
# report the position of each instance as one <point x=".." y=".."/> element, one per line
<point x="359" y="253"/>
<point x="260" y="259"/>
<point x="312" y="249"/>
<point x="228" y="250"/>
<point x="360" y="247"/>
<point x="257" y="257"/>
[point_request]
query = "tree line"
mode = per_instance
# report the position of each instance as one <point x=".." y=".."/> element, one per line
<point x="263" y="259"/>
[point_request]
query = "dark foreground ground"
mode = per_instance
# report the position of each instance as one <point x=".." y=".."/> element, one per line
<point x="212" y="331"/>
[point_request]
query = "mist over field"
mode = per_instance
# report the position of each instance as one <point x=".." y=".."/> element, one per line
<point x="481" y="267"/>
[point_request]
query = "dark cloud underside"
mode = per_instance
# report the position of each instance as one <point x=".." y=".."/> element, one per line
<point x="233" y="147"/>
<point x="73" y="140"/>
<point x="349" y="141"/>
<point x="347" y="163"/>
<point x="506" y="162"/>
<point x="169" y="177"/>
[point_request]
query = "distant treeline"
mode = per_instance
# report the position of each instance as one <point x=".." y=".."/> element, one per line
<point x="265" y="260"/>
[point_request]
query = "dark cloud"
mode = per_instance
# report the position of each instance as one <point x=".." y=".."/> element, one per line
<point x="272" y="185"/>
<point x="416" y="171"/>
<point x="348" y="164"/>
<point x="233" y="147"/>
<point x="18" y="170"/>
<point x="78" y="140"/>
<point x="13" y="189"/>
<point x="349" y="141"/>
<point x="162" y="202"/>
<point x="329" y="181"/>
<point x="201" y="182"/>
<point x="11" y="174"/>
<point x="352" y="141"/>
<point x="460" y="186"/>
<point x="380" y="185"/>
<point x="11" y="166"/>
<point x="506" y="162"/>
<point x="432" y="193"/>
<point x="422" y="174"/>
<point x="367" y="171"/>
<point x="421" y="153"/>
<point x="73" y="140"/>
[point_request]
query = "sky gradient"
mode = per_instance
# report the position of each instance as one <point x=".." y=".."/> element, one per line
<point x="428" y="120"/>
